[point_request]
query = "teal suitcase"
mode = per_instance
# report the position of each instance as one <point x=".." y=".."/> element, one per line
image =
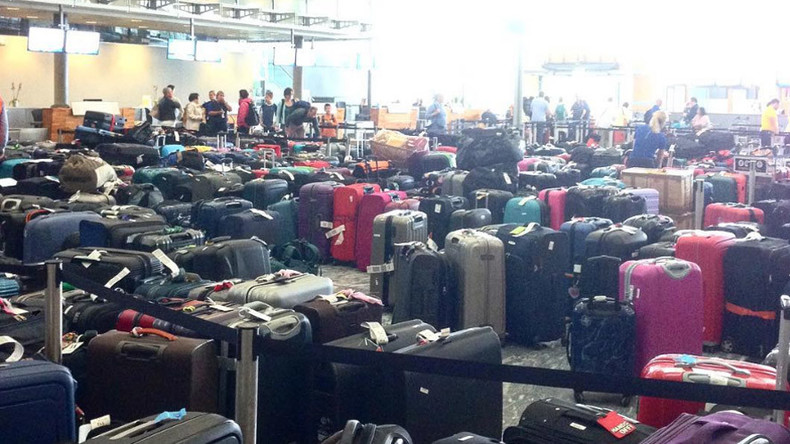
<point x="524" y="210"/>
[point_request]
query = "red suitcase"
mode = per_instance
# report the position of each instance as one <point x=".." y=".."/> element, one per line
<point x="343" y="234"/>
<point x="406" y="204"/>
<point x="707" y="249"/>
<point x="317" y="164"/>
<point x="667" y="298"/>
<point x="554" y="198"/>
<point x="717" y="213"/>
<point x="370" y="206"/>
<point x="659" y="412"/>
<point x="740" y="182"/>
<point x="447" y="149"/>
<point x="260" y="173"/>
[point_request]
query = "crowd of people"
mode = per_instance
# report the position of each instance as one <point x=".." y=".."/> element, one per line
<point x="290" y="115"/>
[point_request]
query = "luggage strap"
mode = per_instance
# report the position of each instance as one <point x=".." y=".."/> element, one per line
<point x="742" y="311"/>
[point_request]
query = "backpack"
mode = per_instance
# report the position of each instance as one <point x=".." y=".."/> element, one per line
<point x="298" y="255"/>
<point x="252" y="118"/>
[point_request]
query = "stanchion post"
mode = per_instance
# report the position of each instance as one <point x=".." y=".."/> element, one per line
<point x="699" y="203"/>
<point x="247" y="383"/>
<point x="752" y="184"/>
<point x="53" y="314"/>
<point x="783" y="357"/>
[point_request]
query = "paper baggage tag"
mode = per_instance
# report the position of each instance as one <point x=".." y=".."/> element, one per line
<point x="437" y="208"/>
<point x="95" y="255"/>
<point x="377" y="333"/>
<point x="507" y="179"/>
<point x="428" y="336"/>
<point x="334" y="232"/>
<point x="432" y="245"/>
<point x="289" y="174"/>
<point x="71" y="348"/>
<point x="384" y="268"/>
<point x="139" y="159"/>
<point x="220" y="307"/>
<point x="518" y="231"/>
<point x="261" y="213"/>
<point x="74" y="197"/>
<point x="117" y="278"/>
<point x="340" y="239"/>
<point x="616" y="425"/>
<point x="167" y="262"/>
<point x="551" y="245"/>
<point x="8" y="182"/>
<point x="331" y="298"/>
<point x="524" y="201"/>
<point x="326" y="224"/>
<point x="247" y="312"/>
<point x="577" y="268"/>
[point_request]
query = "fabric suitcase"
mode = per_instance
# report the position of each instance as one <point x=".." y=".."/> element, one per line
<point x="602" y="182"/>
<point x="776" y="214"/>
<point x="620" y="207"/>
<point x="453" y="183"/>
<point x="194" y="428"/>
<point x="604" y="157"/>
<point x="620" y="241"/>
<point x="476" y="218"/>
<point x="207" y="215"/>
<point x="171" y="183"/>
<point x="167" y="240"/>
<point x="165" y="287"/>
<point x="439" y="211"/>
<point x="424" y="162"/>
<point x="729" y="427"/>
<point x="423" y="286"/>
<point x="115" y="233"/>
<point x="498" y="177"/>
<point x="656" y="250"/>
<point x="577" y="230"/>
<point x="226" y="259"/>
<point x="316" y="214"/>
<point x="370" y="206"/>
<point x="655" y="226"/>
<point x="659" y="412"/>
<point x="585" y="201"/>
<point x="494" y="200"/>
<point x="467" y="438"/>
<point x="144" y="195"/>
<point x="124" y="367"/>
<point x="345" y="208"/>
<point x="38" y="186"/>
<point x="487" y="146"/>
<point x="478" y="261"/>
<point x="339" y="315"/>
<point x="399" y="183"/>
<point x="667" y="295"/>
<point x="389" y="229"/>
<point x="524" y="210"/>
<point x="537" y="179"/>
<point x="568" y="177"/>
<point x="263" y="193"/>
<point x="601" y="337"/>
<point x="264" y="225"/>
<point x="289" y="212"/>
<point x="718" y="213"/>
<point x="281" y="290"/>
<point x="175" y="213"/>
<point x="103" y="265"/>
<point x="82" y="313"/>
<point x="129" y="154"/>
<point x="37" y="402"/>
<point x="406" y="204"/>
<point x="44" y="235"/>
<point x="12" y="224"/>
<point x="555" y="199"/>
<point x="205" y="185"/>
<point x="738" y="229"/>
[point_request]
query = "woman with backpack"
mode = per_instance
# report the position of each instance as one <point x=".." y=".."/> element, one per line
<point x="248" y="115"/>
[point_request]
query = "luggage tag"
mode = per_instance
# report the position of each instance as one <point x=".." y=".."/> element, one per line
<point x="167" y="262"/>
<point x="117" y="278"/>
<point x="507" y="179"/>
<point x="377" y="334"/>
<point x="261" y="213"/>
<point x="18" y="352"/>
<point x="616" y="425"/>
<point x="334" y="232"/>
<point x="326" y="224"/>
<point x="383" y="268"/>
<point x="249" y="313"/>
<point x="428" y="336"/>
<point x="95" y="423"/>
<point x="524" y="201"/>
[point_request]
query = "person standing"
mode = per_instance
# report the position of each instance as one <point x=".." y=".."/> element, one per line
<point x="217" y="114"/>
<point x="580" y="114"/>
<point x="436" y="116"/>
<point x="194" y="114"/>
<point x="268" y="111"/>
<point x="328" y="123"/>
<point x="560" y="113"/>
<point x="605" y="121"/>
<point x="650" y="143"/>
<point x="769" y="123"/>
<point x="539" y="109"/>
<point x="212" y="96"/>
<point x="285" y="107"/>
<point x="691" y="110"/>
<point x="167" y="107"/>
<point x="654" y="109"/>
<point x="3" y="126"/>
<point x="247" y="117"/>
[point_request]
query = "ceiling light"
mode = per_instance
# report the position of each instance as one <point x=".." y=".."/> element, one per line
<point x="136" y="21"/>
<point x="32" y="17"/>
<point x="12" y="9"/>
<point x="91" y="22"/>
<point x="143" y="27"/>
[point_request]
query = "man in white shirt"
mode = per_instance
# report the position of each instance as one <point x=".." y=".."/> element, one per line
<point x="605" y="121"/>
<point x="540" y="112"/>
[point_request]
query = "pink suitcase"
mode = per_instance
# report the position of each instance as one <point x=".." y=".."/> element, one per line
<point x="370" y="206"/>
<point x="346" y="206"/>
<point x="406" y="204"/>
<point x="525" y="164"/>
<point x="668" y="302"/>
<point x="554" y="198"/>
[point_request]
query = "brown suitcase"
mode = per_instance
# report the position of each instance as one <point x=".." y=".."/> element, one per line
<point x="131" y="377"/>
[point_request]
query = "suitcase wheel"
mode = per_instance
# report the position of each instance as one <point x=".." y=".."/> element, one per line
<point x="625" y="401"/>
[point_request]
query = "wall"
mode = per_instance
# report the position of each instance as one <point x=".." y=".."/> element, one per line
<point x="120" y="73"/>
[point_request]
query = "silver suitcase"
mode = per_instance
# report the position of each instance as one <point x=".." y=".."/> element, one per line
<point x="478" y="260"/>
<point x="281" y="290"/>
<point x="453" y="183"/>
<point x="389" y="229"/>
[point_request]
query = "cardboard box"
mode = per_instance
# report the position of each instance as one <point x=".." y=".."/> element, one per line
<point x="683" y="221"/>
<point x="675" y="187"/>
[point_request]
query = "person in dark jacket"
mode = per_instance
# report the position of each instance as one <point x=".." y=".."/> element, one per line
<point x="217" y="114"/>
<point x="294" y="125"/>
<point x="268" y="111"/>
<point x="691" y="110"/>
<point x="167" y="106"/>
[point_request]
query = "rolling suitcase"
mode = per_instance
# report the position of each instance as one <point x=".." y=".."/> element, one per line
<point x="129" y="154"/>
<point x="166" y="287"/>
<point x="124" y="366"/>
<point x="281" y="290"/>
<point x="524" y="210"/>
<point x="725" y="189"/>
<point x="577" y="230"/>
<point x="439" y="211"/>
<point x="667" y="295"/>
<point x="651" y="198"/>
<point x="620" y="241"/>
<point x="727" y="426"/>
<point x="776" y="214"/>
<point x="289" y="212"/>
<point x="263" y="193"/>
<point x="193" y="427"/>
<point x="423" y="286"/>
<point x="621" y="206"/>
<point x="204" y="186"/>
<point x="357" y="433"/>
<point x="141" y="194"/>
<point x="207" y="215"/>
<point x="538" y="180"/>
<point x="476" y="218"/>
<point x="568" y="177"/>
<point x="105" y="265"/>
<point x="339" y="315"/>
<point x="175" y="212"/>
<point x="601" y="337"/>
<point x="44" y="235"/>
<point x="478" y="261"/>
<point x="587" y="201"/>
<point x="167" y="240"/>
<point x="494" y="200"/>
<point x="115" y="233"/>
<point x="655" y="226"/>
<point x="453" y="183"/>
<point x="173" y="183"/>
<point x="390" y="229"/>
<point x="739" y="229"/>
<point x="370" y="206"/>
<point x="265" y="225"/>
<point x="467" y="438"/>
<point x="346" y="206"/>
<point x="555" y="199"/>
<point x="656" y="250"/>
<point x="717" y="213"/>
<point x="37" y="402"/>
<point x="226" y="258"/>
<point x="407" y="204"/>
<point x="316" y="213"/>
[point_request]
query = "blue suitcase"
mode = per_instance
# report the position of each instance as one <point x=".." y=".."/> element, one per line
<point x="206" y="215"/>
<point x="44" y="235"/>
<point x="577" y="230"/>
<point x="289" y="211"/>
<point x="7" y="167"/>
<point x="524" y="210"/>
<point x="265" y="225"/>
<point x="36" y="402"/>
<point x="9" y="286"/>
<point x="192" y="428"/>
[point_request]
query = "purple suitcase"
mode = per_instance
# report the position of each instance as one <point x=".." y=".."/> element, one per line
<point x="651" y="198"/>
<point x="720" y="427"/>
<point x="667" y="297"/>
<point x="316" y="202"/>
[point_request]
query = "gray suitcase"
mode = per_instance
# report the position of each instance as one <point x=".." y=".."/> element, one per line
<point x="281" y="290"/>
<point x="453" y="183"/>
<point x="478" y="260"/>
<point x="389" y="229"/>
<point x="477" y="218"/>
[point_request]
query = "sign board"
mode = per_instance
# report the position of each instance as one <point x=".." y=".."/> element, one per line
<point x="763" y="166"/>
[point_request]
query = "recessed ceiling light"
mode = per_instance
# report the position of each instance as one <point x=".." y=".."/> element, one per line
<point x="143" y="27"/>
<point x="136" y="21"/>
<point x="12" y="9"/>
<point x="32" y="17"/>
<point x="91" y="22"/>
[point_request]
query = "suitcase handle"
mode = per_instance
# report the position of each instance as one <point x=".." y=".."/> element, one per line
<point x="138" y="332"/>
<point x="285" y="327"/>
<point x="140" y="352"/>
<point x="714" y="362"/>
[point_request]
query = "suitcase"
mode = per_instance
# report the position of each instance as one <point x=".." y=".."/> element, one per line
<point x="577" y="230"/>
<point x="44" y="235"/>
<point x="207" y="215"/>
<point x="37" y="402"/>
<point x="289" y="213"/>
<point x="601" y="337"/>
<point x="725" y="188"/>
<point x="656" y="250"/>
<point x="667" y="294"/>
<point x="205" y="185"/>
<point x="476" y="218"/>
<point x="193" y="427"/>
<point x="550" y="421"/>
<point x="171" y="183"/>
<point x="345" y="207"/>
<point x="115" y="233"/>
<point x="390" y="229"/>
<point x="12" y="225"/>
<point x="433" y="406"/>
<point x="585" y="201"/>
<point x="104" y="265"/>
<point x="264" y="225"/>
<point x="620" y="241"/>
<point x="727" y="426"/>
<point x="129" y="154"/>
<point x="142" y="194"/>
<point x="263" y="193"/>
<point x="620" y="207"/>
<point x="339" y="315"/>
<point x="399" y="183"/>
<point x="167" y="240"/>
<point x="38" y="186"/>
<point x="656" y="227"/>
<point x="494" y="200"/>
<point x="478" y="261"/>
<point x="659" y="412"/>
<point x="538" y="180"/>
<point x="603" y="182"/>
<point x="226" y="259"/>
<point x="776" y="214"/>
<point x="175" y="213"/>
<point x="370" y="206"/>
<point x="357" y="433"/>
<point x="406" y="204"/>
<point x="423" y="286"/>
<point x="651" y="198"/>
<point x="453" y="183"/>
<point x="555" y="199"/>
<point x="316" y="213"/>
<point x="439" y="211"/>
<point x="717" y="213"/>
<point x="167" y="287"/>
<point x="425" y="162"/>
<point x="568" y="177"/>
<point x="738" y="229"/>
<point x="604" y="157"/>
<point x="81" y="313"/>
<point x="524" y="210"/>
<point x="126" y="367"/>
<point x="281" y="290"/>
<point x="467" y="438"/>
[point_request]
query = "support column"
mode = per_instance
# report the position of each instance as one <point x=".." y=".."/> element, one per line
<point x="61" y="71"/>
<point x="370" y="88"/>
<point x="518" y="111"/>
<point x="297" y="71"/>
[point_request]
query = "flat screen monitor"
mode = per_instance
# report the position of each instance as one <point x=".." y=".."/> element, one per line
<point x="208" y="52"/>
<point x="82" y="42"/>
<point x="181" y="49"/>
<point x="45" y="40"/>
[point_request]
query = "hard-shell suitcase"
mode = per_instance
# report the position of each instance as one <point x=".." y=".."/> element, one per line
<point x="556" y="199"/>
<point x="659" y="412"/>
<point x="370" y="206"/>
<point x="129" y="154"/>
<point x="478" y="261"/>
<point x="165" y="287"/>
<point x="357" y="433"/>
<point x="207" y="215"/>
<point x="467" y="438"/>
<point x="226" y="259"/>
<point x="175" y="212"/>
<point x="755" y="275"/>
<point x="620" y="207"/>
<point x="656" y="250"/>
<point x="577" y="230"/>
<point x="524" y="210"/>
<point x="44" y="235"/>
<point x="667" y="296"/>
<point x="651" y="198"/>
<point x="439" y="211"/>
<point x="339" y="315"/>
<point x="281" y="290"/>
<point x="726" y="426"/>
<point x="265" y="225"/>
<point x="37" y="402"/>
<point x="717" y="213"/>
<point x="601" y="337"/>
<point x="655" y="226"/>
<point x="707" y="249"/>
<point x="494" y="200"/>
<point x="289" y="212"/>
<point x="316" y="213"/>
<point x="476" y="218"/>
<point x="104" y="265"/>
<point x="453" y="183"/>
<point x="344" y="232"/>
<point x="263" y="193"/>
<point x="193" y="428"/>
<point x="587" y="201"/>
<point x="115" y="233"/>
<point x="167" y="240"/>
<point x="127" y="367"/>
<point x="398" y="183"/>
<point x="423" y="286"/>
<point x="390" y="229"/>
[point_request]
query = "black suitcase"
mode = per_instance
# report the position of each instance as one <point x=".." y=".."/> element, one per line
<point x="568" y="177"/>
<point x="476" y="218"/>
<point x="22" y="202"/>
<point x="82" y="313"/>
<point x="226" y="259"/>
<point x="776" y="214"/>
<point x="105" y="264"/>
<point x="175" y="212"/>
<point x="655" y="226"/>
<point x="467" y="438"/>
<point x="537" y="179"/>
<point x="12" y="225"/>
<point x="166" y="240"/>
<point x="494" y="200"/>
<point x="600" y="277"/>
<point x="206" y="215"/>
<point x="779" y="190"/>
<point x="205" y="185"/>
<point x="129" y="154"/>
<point x="552" y="421"/>
<point x="497" y="177"/>
<point x="743" y="229"/>
<point x="357" y="433"/>
<point x="263" y="193"/>
<point x="263" y="224"/>
<point x="336" y="316"/>
<point x="620" y="241"/>
<point x="584" y="201"/>
<point x="604" y="157"/>
<point x="423" y="286"/>
<point x="171" y="183"/>
<point x="439" y="210"/>
<point x="28" y="329"/>
<point x="142" y="194"/>
<point x="115" y="233"/>
<point x="620" y="207"/>
<point x="656" y="250"/>
<point x="428" y="161"/>
<point x="193" y="428"/>
<point x="236" y="190"/>
<point x="126" y="212"/>
<point x="157" y="288"/>
<point x="398" y="182"/>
